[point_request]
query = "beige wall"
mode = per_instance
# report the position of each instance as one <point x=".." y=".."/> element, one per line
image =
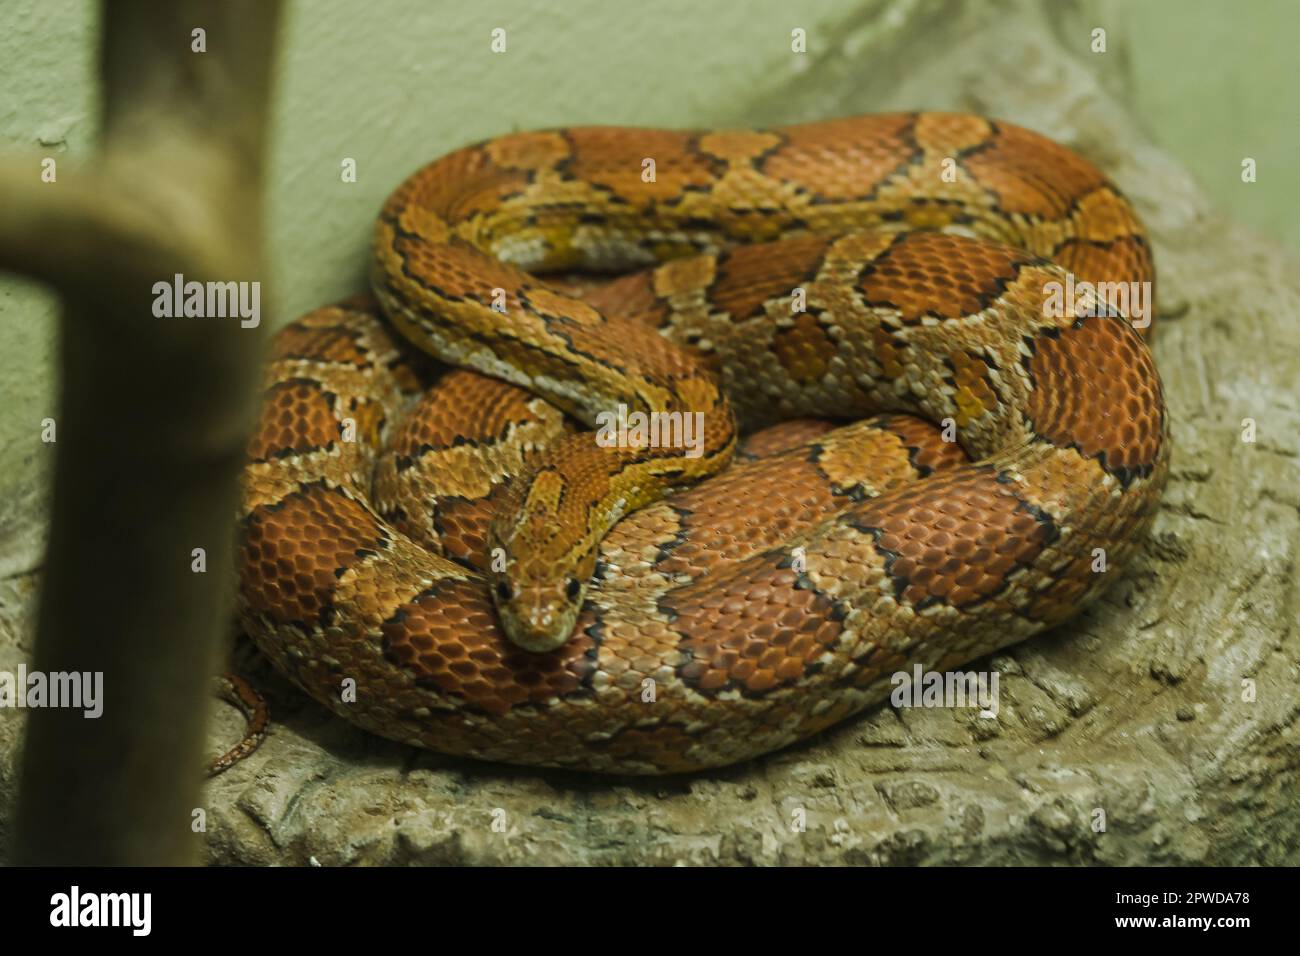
<point x="1216" y="81"/>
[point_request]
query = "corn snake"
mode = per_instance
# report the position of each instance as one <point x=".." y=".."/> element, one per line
<point x="726" y="617"/>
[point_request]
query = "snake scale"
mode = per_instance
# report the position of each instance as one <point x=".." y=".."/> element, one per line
<point x="438" y="547"/>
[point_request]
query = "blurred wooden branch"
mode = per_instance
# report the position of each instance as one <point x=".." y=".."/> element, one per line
<point x="152" y="425"/>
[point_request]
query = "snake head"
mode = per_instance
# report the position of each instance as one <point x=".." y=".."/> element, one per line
<point x="538" y="616"/>
<point x="543" y="554"/>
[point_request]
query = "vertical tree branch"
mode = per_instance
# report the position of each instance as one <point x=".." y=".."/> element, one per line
<point x="153" y="422"/>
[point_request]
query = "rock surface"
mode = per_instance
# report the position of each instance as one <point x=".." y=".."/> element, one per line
<point x="1160" y="726"/>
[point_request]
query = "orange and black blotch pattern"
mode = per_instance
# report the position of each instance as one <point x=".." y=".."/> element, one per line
<point x="1095" y="389"/>
<point x="295" y="551"/>
<point x="959" y="547"/>
<point x="929" y="274"/>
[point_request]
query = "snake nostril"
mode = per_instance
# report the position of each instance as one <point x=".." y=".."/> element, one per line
<point x="573" y="589"/>
<point x="503" y="591"/>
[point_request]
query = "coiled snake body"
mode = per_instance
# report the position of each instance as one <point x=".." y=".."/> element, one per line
<point x="499" y="583"/>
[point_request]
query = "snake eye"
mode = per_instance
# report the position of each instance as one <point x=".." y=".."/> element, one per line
<point x="503" y="590"/>
<point x="574" y="587"/>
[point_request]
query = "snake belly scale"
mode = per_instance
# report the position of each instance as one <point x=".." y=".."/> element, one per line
<point x="447" y="533"/>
